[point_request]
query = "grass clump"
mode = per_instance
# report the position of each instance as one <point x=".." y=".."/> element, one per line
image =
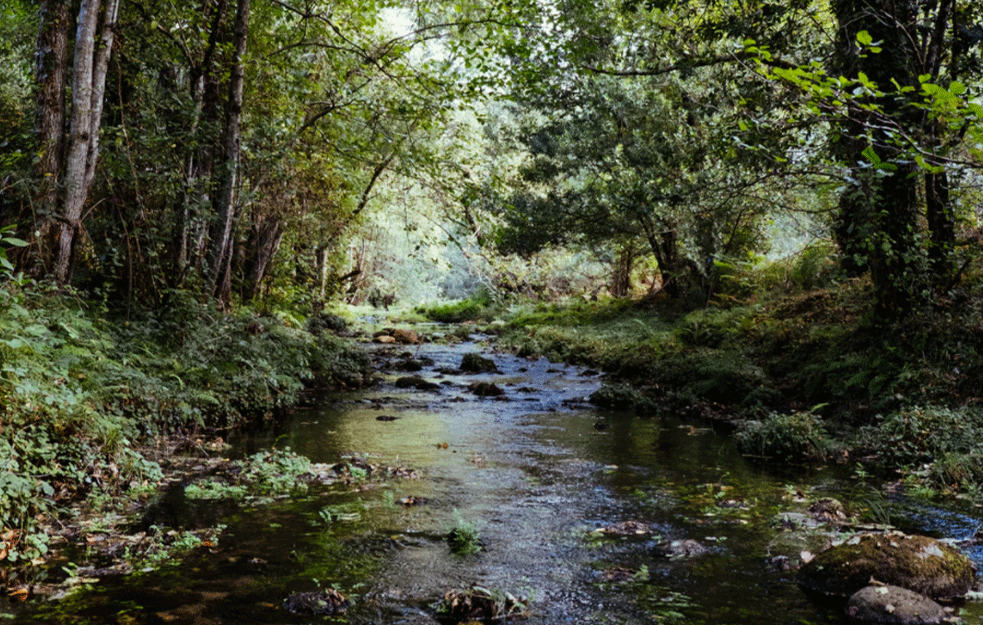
<point x="480" y="604"/>
<point x="479" y="306"/>
<point x="464" y="538"/>
<point x="934" y="446"/>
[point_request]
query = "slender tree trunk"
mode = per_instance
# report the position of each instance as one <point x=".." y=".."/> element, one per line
<point x="88" y="89"/>
<point x="217" y="279"/>
<point x="621" y="275"/>
<point x="265" y="238"/>
<point x="191" y="229"/>
<point x="663" y="246"/>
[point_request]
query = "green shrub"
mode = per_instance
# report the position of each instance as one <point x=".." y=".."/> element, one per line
<point x="786" y="437"/>
<point x="480" y="305"/>
<point x="464" y="538"/>
<point x="724" y="377"/>
<point x="79" y="396"/>
<point x="917" y="436"/>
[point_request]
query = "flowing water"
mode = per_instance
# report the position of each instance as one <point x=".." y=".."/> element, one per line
<point x="535" y="473"/>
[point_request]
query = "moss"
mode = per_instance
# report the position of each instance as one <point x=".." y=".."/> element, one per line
<point x="475" y="363"/>
<point x="917" y="563"/>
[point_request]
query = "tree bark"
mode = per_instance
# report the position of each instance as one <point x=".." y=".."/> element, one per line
<point x="266" y="236"/>
<point x="878" y="221"/>
<point x="50" y="74"/>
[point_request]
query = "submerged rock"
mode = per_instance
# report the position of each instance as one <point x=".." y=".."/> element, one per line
<point x="316" y="603"/>
<point x="486" y="389"/>
<point x="415" y="381"/>
<point x="893" y="605"/>
<point x="626" y="528"/>
<point x="676" y="549"/>
<point x="918" y="563"/>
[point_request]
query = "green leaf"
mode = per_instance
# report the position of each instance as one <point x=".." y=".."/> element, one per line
<point x="871" y="155"/>
<point x="957" y="88"/>
<point x="864" y="38"/>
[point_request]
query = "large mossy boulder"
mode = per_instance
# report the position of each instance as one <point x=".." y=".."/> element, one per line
<point x="918" y="563"/>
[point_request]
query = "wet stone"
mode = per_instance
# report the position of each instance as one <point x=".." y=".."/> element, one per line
<point x="486" y="389"/>
<point x="893" y="605"/>
<point x="626" y="528"/>
<point x="676" y="549"/>
<point x="415" y="381"/>
<point x="475" y="363"/>
<point x="316" y="603"/>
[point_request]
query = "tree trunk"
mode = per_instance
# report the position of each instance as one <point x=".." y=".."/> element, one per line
<point x="217" y="278"/>
<point x="663" y="246"/>
<point x="50" y="74"/>
<point x="191" y="229"/>
<point x="265" y="238"/>
<point x="941" y="225"/>
<point x="88" y="88"/>
<point x="621" y="276"/>
<point x="877" y="225"/>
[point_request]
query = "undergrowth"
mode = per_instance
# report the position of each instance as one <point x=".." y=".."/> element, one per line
<point x="81" y="394"/>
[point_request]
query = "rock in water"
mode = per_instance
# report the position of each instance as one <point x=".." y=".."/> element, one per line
<point x="406" y="337"/>
<point x="317" y="603"/>
<point x="475" y="363"/>
<point x="893" y="605"/>
<point x="918" y="563"/>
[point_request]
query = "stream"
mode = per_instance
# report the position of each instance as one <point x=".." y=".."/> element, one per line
<point x="535" y="473"/>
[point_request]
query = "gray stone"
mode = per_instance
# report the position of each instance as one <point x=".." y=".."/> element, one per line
<point x="893" y="605"/>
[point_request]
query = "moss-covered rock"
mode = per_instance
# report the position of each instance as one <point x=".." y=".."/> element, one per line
<point x="475" y="363"/>
<point x="917" y="563"/>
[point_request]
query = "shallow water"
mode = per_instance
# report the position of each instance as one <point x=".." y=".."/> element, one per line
<point x="536" y="474"/>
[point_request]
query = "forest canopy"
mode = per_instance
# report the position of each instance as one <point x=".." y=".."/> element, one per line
<point x="313" y="150"/>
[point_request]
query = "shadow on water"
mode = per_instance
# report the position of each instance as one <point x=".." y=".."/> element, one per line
<point x="536" y="474"/>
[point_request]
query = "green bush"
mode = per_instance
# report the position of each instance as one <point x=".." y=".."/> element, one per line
<point x="918" y="436"/>
<point x="480" y="305"/>
<point x="78" y="396"/>
<point x="786" y="437"/>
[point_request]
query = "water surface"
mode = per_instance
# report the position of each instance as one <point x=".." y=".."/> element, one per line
<point x="536" y="472"/>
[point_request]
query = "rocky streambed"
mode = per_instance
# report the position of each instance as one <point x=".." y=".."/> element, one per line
<point x="470" y="485"/>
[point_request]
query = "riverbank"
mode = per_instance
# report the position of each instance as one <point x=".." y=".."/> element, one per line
<point x="99" y="410"/>
<point x="808" y="377"/>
